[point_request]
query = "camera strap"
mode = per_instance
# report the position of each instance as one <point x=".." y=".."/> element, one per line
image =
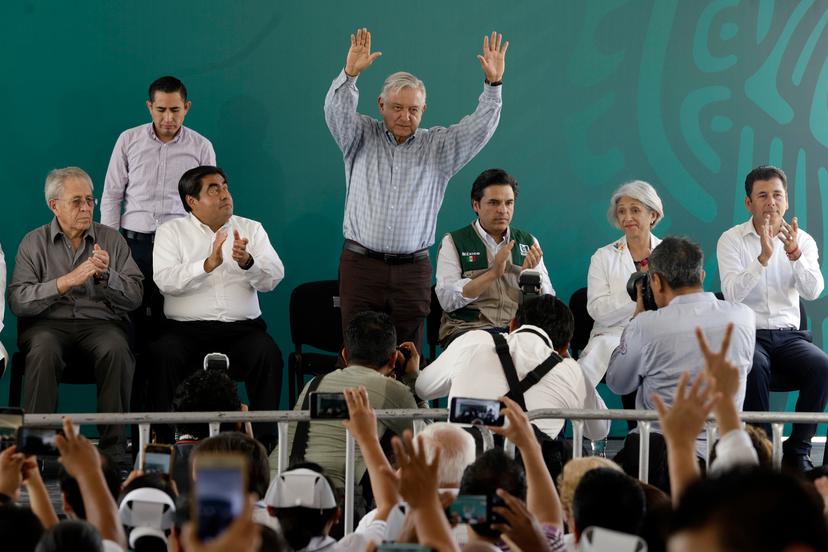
<point x="300" y="437"/>
<point x="518" y="387"/>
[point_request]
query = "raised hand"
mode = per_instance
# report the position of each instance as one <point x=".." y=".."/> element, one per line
<point x="521" y="528"/>
<point x="518" y="429"/>
<point x="362" y="421"/>
<point x="493" y="59"/>
<point x="682" y="422"/>
<point x="418" y="477"/>
<point x="216" y="256"/>
<point x="788" y="234"/>
<point x="240" y="254"/>
<point x="725" y="375"/>
<point x="767" y="241"/>
<point x="533" y="257"/>
<point x="501" y="260"/>
<point x="359" y="54"/>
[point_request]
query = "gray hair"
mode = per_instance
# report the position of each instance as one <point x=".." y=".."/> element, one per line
<point x="56" y="178"/>
<point x="456" y="450"/>
<point x="400" y="80"/>
<point x="679" y="261"/>
<point x="641" y="192"/>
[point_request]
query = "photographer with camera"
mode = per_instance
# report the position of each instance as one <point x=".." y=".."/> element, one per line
<point x="655" y="350"/>
<point x="479" y="265"/>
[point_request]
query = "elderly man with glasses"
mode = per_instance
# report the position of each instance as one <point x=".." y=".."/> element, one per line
<point x="73" y="284"/>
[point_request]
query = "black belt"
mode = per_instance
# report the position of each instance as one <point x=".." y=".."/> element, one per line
<point x="388" y="258"/>
<point x="138" y="236"/>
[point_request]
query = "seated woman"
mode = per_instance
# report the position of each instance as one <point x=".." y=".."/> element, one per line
<point x="635" y="208"/>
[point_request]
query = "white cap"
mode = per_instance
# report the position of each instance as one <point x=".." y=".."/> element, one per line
<point x="300" y="488"/>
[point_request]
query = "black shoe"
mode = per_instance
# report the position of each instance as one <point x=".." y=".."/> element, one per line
<point x="800" y="463"/>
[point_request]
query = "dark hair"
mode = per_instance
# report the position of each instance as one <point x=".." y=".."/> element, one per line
<point x="679" y="261"/>
<point x="70" y="489"/>
<point x="299" y="524"/>
<point x="610" y="499"/>
<point x="370" y="339"/>
<point x="761" y="444"/>
<point x="74" y="535"/>
<point x="493" y="469"/>
<point x="190" y="182"/>
<point x="550" y="314"/>
<point x="152" y="481"/>
<point x="764" y="172"/>
<point x="258" y="477"/>
<point x="168" y="85"/>
<point x="20" y="528"/>
<point x="754" y="509"/>
<point x="205" y="391"/>
<point x="492" y="177"/>
<point x="150" y="543"/>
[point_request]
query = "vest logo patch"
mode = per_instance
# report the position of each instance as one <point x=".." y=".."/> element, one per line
<point x="524" y="249"/>
<point x="472" y="255"/>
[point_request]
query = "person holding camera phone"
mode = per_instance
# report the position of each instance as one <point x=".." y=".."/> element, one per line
<point x="479" y="265"/>
<point x="655" y="349"/>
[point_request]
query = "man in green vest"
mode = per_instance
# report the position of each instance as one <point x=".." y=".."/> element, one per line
<point x="479" y="265"/>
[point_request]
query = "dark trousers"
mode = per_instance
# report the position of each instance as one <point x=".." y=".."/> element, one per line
<point x="401" y="290"/>
<point x="786" y="360"/>
<point x="101" y="343"/>
<point x="254" y="358"/>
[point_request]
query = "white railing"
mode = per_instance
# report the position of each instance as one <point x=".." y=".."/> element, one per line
<point x="645" y="419"/>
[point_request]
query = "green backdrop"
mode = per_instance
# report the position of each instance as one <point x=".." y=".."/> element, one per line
<point x="685" y="95"/>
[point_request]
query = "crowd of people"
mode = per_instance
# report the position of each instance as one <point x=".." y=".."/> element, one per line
<point x="171" y="273"/>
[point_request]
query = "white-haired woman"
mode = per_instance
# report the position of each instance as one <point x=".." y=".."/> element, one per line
<point x="635" y="209"/>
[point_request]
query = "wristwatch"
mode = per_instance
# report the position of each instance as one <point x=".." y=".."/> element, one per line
<point x="495" y="83"/>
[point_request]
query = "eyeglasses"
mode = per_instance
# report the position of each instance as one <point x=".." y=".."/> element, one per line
<point x="76" y="202"/>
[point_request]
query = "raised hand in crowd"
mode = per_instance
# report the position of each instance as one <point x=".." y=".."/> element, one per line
<point x="681" y="424"/>
<point x="216" y="257"/>
<point x="725" y="378"/>
<point x="533" y="256"/>
<point x="360" y="56"/>
<point x="38" y="495"/>
<point x="99" y="258"/>
<point x="541" y="496"/>
<point x="767" y="242"/>
<point x="788" y="234"/>
<point x="521" y="529"/>
<point x="11" y="472"/>
<point x="243" y="535"/>
<point x="240" y="254"/>
<point x="493" y="59"/>
<point x="81" y="460"/>
<point x="418" y="484"/>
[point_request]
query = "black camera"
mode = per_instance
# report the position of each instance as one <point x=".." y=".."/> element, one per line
<point x="529" y="283"/>
<point x="646" y="290"/>
<point x="399" y="366"/>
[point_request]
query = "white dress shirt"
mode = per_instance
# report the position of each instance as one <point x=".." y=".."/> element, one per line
<point x="608" y="303"/>
<point x="658" y="346"/>
<point x="450" y="283"/>
<point x="470" y="367"/>
<point x="772" y="291"/>
<point x="226" y="294"/>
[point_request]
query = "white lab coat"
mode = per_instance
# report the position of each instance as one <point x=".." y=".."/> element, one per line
<point x="608" y="304"/>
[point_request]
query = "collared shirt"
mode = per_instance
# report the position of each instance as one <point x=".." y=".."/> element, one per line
<point x="470" y="367"/>
<point x="450" y="283"/>
<point x="394" y="191"/>
<point x="228" y="293"/>
<point x="45" y="254"/>
<point x="658" y="346"/>
<point x="772" y="291"/>
<point x="143" y="174"/>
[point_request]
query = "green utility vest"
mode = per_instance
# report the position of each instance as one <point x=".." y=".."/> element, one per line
<point x="496" y="306"/>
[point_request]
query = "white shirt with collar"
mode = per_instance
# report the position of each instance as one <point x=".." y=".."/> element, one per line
<point x="470" y="367"/>
<point x="226" y="294"/>
<point x="608" y="303"/>
<point x="772" y="291"/>
<point x="450" y="283"/>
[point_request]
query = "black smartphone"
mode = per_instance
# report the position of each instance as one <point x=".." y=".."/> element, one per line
<point x="466" y="410"/>
<point x="328" y="406"/>
<point x="158" y="459"/>
<point x="220" y="489"/>
<point x="474" y="509"/>
<point x="10" y="421"/>
<point x="402" y="546"/>
<point x="35" y="440"/>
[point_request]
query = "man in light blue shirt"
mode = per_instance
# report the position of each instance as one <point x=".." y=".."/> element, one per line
<point x="658" y="346"/>
<point x="395" y="178"/>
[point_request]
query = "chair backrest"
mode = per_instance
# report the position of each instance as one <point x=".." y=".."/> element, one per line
<point x="435" y="315"/>
<point x="583" y="321"/>
<point x="315" y="316"/>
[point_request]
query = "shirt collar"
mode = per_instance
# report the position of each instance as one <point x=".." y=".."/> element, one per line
<point x="201" y="226"/>
<point x="392" y="138"/>
<point x="531" y="327"/>
<point x="151" y="133"/>
<point x="697" y="297"/>
<point x="485" y="235"/>
<point x="747" y="228"/>
<point x="54" y="228"/>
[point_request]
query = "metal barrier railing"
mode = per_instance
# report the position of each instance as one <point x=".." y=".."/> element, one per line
<point x="577" y="417"/>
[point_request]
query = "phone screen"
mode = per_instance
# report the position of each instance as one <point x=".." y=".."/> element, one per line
<point x="37" y="441"/>
<point x="156" y="462"/>
<point x="468" y="509"/>
<point x="476" y="411"/>
<point x="328" y="406"/>
<point x="220" y="496"/>
<point x="10" y="421"/>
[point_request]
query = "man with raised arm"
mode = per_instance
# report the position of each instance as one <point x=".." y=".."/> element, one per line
<point x="770" y="276"/>
<point x="395" y="177"/>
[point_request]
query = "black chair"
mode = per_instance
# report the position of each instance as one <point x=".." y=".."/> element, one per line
<point x="435" y="315"/>
<point x="583" y="322"/>
<point x="315" y="321"/>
